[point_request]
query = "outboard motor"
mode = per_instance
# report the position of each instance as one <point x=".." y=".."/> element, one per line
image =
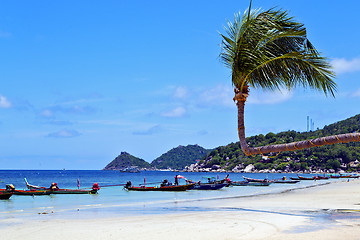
<point x="128" y="184"/>
<point x="54" y="187"/>
<point x="10" y="188"/>
<point x="95" y="187"/>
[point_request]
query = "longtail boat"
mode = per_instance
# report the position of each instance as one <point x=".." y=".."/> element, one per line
<point x="318" y="177"/>
<point x="349" y="176"/>
<point x="247" y="183"/>
<point x="211" y="180"/>
<point x="345" y="176"/>
<point x="256" y="180"/>
<point x="306" y="178"/>
<point x="54" y="190"/>
<point x="73" y="191"/>
<point x="11" y="189"/>
<point x="295" y="178"/>
<point x="208" y="186"/>
<point x="5" y="194"/>
<point x="31" y="192"/>
<point x="185" y="187"/>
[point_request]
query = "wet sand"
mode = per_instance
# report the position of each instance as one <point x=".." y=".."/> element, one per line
<point x="328" y="211"/>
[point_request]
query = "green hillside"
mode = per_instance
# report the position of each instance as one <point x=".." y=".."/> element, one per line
<point x="126" y="160"/>
<point x="338" y="156"/>
<point x="179" y="157"/>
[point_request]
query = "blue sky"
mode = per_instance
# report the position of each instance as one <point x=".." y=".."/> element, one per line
<point x="82" y="81"/>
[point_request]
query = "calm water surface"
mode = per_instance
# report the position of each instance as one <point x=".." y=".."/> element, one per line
<point x="114" y="201"/>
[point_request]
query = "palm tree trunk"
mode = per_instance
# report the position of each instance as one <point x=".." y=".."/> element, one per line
<point x="241" y="127"/>
<point x="277" y="148"/>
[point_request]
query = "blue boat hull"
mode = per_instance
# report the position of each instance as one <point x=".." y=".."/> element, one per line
<point x="209" y="186"/>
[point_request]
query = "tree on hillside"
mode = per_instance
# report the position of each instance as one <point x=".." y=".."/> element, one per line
<point x="269" y="50"/>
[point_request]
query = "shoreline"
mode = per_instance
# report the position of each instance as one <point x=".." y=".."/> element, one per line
<point x="326" y="211"/>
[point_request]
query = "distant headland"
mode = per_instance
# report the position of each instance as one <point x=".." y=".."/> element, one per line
<point x="230" y="158"/>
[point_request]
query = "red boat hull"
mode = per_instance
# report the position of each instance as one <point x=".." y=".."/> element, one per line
<point x="61" y="191"/>
<point x="27" y="192"/>
<point x="73" y="191"/>
<point x="5" y="194"/>
<point x="170" y="188"/>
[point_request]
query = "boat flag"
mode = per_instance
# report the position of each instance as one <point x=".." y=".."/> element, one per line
<point x="78" y="183"/>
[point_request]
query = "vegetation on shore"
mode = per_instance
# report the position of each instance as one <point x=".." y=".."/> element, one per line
<point x="325" y="158"/>
<point x="125" y="160"/>
<point x="180" y="157"/>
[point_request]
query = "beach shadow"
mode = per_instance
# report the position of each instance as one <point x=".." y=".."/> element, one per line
<point x="324" y="219"/>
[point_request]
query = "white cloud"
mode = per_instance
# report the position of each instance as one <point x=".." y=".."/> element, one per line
<point x="342" y="65"/>
<point x="265" y="97"/>
<point x="91" y="98"/>
<point x="356" y="93"/>
<point x="150" y="131"/>
<point x="223" y="95"/>
<point x="51" y="111"/>
<point x="177" y="112"/>
<point x="181" y="93"/>
<point x="58" y="122"/>
<point x="4" y="103"/>
<point x="65" y="133"/>
<point x="202" y="132"/>
<point x="219" y="95"/>
<point x="47" y="113"/>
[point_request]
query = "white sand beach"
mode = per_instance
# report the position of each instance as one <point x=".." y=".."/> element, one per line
<point x="329" y="211"/>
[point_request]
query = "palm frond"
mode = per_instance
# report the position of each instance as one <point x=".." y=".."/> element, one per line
<point x="269" y="49"/>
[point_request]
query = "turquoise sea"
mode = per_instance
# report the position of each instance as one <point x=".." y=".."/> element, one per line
<point x="115" y="201"/>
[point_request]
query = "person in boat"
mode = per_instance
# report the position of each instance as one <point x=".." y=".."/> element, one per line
<point x="176" y="180"/>
<point x="96" y="187"/>
<point x="284" y="178"/>
<point x="54" y="187"/>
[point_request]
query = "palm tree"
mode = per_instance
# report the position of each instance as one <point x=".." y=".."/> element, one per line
<point x="269" y="50"/>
